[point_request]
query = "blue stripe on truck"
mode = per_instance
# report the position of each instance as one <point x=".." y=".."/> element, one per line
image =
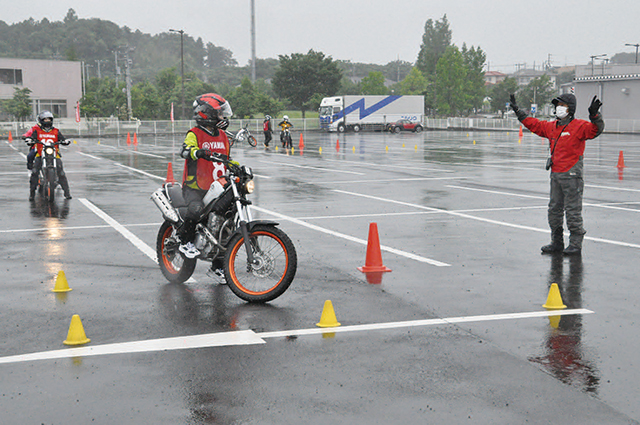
<point x="365" y="112"/>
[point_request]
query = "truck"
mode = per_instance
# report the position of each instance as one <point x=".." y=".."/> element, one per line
<point x="356" y="113"/>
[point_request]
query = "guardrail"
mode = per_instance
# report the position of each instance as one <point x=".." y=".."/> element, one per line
<point x="96" y="128"/>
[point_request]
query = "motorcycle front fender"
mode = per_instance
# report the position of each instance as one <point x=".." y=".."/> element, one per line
<point x="251" y="224"/>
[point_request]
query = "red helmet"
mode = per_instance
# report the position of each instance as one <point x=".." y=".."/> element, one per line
<point x="211" y="109"/>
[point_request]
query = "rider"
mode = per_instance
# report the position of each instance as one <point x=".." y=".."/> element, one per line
<point x="284" y="125"/>
<point x="44" y="131"/>
<point x="266" y="126"/>
<point x="211" y="113"/>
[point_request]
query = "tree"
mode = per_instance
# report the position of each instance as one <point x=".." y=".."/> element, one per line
<point x="219" y="56"/>
<point x="373" y="84"/>
<point x="500" y="94"/>
<point x="435" y="41"/>
<point x="414" y="83"/>
<point x="451" y="82"/>
<point x="20" y="105"/>
<point x="474" y="60"/>
<point x="300" y="76"/>
<point x="538" y="91"/>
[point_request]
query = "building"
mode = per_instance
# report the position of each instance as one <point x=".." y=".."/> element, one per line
<point x="524" y="76"/>
<point x="55" y="85"/>
<point x="493" y="77"/>
<point x="618" y="86"/>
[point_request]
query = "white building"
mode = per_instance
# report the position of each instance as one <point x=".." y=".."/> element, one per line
<point x="55" y="86"/>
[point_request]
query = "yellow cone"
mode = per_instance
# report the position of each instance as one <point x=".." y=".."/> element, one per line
<point x="320" y="150"/>
<point x="328" y="318"/>
<point x="61" y="283"/>
<point x="554" y="300"/>
<point x="76" y="335"/>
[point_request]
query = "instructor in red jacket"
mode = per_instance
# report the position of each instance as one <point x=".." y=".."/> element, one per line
<point x="567" y="136"/>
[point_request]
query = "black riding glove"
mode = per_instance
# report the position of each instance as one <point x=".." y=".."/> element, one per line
<point x="520" y="114"/>
<point x="65" y="142"/>
<point x="202" y="153"/>
<point x="595" y="106"/>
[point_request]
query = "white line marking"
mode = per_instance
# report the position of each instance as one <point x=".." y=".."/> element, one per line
<point x="41" y="229"/>
<point x="140" y="171"/>
<point x="221" y="339"/>
<point x="389" y="166"/>
<point x="314" y="168"/>
<point x="353" y="239"/>
<point x="486" y="220"/>
<point x="385" y="180"/>
<point x="424" y="322"/>
<point x="146" y="154"/>
<point x="137" y="242"/>
<point x="248" y="337"/>
<point x="90" y="156"/>
<point x="612" y="188"/>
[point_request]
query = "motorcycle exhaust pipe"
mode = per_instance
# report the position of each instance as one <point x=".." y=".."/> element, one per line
<point x="164" y="205"/>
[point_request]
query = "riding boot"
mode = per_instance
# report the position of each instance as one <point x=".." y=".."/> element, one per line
<point x="33" y="185"/>
<point x="557" y="242"/>
<point x="575" y="244"/>
<point x="65" y="186"/>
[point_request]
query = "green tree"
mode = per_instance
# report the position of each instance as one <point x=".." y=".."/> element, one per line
<point x="414" y="83"/>
<point x="243" y="99"/>
<point x="538" y="91"/>
<point x="373" y="84"/>
<point x="474" y="61"/>
<point x="146" y="102"/>
<point x="435" y="41"/>
<point x="500" y="94"/>
<point x="300" y="76"/>
<point x="20" y="105"/>
<point x="451" y="82"/>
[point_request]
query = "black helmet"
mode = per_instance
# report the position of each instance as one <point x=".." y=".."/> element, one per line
<point x="212" y="110"/>
<point x="45" y="120"/>
<point x="267" y="117"/>
<point x="569" y="99"/>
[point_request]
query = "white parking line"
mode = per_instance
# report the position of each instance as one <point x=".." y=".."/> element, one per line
<point x="314" y="168"/>
<point x="353" y="239"/>
<point x="248" y="337"/>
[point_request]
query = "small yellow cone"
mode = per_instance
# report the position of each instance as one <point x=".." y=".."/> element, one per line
<point x="554" y="299"/>
<point x="320" y="150"/>
<point x="403" y="145"/>
<point x="61" y="283"/>
<point x="292" y="151"/>
<point x="474" y="142"/>
<point x="76" y="335"/>
<point x="353" y="149"/>
<point x="415" y="147"/>
<point x="328" y="318"/>
<point x="75" y="142"/>
<point x="386" y="148"/>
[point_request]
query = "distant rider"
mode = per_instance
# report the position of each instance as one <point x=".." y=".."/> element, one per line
<point x="285" y="124"/>
<point x="44" y="131"/>
<point x="211" y="113"/>
<point x="266" y="127"/>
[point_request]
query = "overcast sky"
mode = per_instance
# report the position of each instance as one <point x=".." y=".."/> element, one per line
<point x="373" y="31"/>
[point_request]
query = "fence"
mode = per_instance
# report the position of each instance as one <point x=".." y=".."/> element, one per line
<point x="105" y="128"/>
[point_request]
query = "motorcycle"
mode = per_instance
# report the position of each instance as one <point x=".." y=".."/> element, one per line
<point x="259" y="260"/>
<point x="285" y="138"/>
<point x="48" y="174"/>
<point x="242" y="135"/>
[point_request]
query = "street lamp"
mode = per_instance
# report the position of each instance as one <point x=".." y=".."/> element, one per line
<point x="181" y="32"/>
<point x="636" y="46"/>
<point x="596" y="57"/>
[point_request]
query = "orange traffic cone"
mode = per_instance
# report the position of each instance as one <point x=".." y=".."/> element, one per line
<point x="520" y="133"/>
<point x="301" y="144"/>
<point x="337" y="145"/>
<point x="135" y="139"/>
<point x="373" y="262"/>
<point x="128" y="139"/>
<point x="620" y="160"/>
<point x="170" y="178"/>
<point x="10" y="137"/>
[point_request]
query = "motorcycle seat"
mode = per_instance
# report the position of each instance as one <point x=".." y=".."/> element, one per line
<point x="175" y="195"/>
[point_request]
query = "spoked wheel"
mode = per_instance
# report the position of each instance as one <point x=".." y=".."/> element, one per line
<point x="49" y="186"/>
<point x="252" y="141"/>
<point x="274" y="270"/>
<point x="174" y="266"/>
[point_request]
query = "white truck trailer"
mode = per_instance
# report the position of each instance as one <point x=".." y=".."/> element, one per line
<point x="356" y="113"/>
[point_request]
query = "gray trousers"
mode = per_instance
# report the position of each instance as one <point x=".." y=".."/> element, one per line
<point x="565" y="198"/>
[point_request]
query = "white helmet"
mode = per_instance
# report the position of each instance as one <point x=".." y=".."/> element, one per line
<point x="286" y="117"/>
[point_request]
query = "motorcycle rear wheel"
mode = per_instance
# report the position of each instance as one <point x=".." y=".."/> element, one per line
<point x="175" y="267"/>
<point x="276" y="265"/>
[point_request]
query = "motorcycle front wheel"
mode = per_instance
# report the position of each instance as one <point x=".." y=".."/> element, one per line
<point x="274" y="269"/>
<point x="49" y="185"/>
<point x="252" y="141"/>
<point x="174" y="266"/>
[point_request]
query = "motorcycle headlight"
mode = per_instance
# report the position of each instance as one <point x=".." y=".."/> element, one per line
<point x="48" y="151"/>
<point x="249" y="186"/>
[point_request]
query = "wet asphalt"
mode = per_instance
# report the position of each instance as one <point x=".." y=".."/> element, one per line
<point x="461" y="217"/>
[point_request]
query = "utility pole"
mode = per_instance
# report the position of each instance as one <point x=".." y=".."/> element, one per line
<point x="636" y="46"/>
<point x="253" y="41"/>
<point x="127" y="78"/>
<point x="181" y="32"/>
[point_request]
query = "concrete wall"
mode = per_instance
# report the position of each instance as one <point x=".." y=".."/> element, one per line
<point x="618" y="86"/>
<point x="47" y="80"/>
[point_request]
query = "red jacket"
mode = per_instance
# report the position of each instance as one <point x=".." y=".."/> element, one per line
<point x="569" y="146"/>
<point x="36" y="132"/>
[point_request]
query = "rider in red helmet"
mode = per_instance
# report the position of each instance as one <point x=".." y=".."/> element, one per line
<point x="211" y="113"/>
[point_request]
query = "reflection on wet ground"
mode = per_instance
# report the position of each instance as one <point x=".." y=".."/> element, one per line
<point x="564" y="354"/>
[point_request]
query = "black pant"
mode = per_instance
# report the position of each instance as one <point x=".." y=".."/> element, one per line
<point x="193" y="198"/>
<point x="62" y="177"/>
<point x="267" y="138"/>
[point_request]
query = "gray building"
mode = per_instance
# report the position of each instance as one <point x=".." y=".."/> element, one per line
<point x="618" y="86"/>
<point x="55" y="85"/>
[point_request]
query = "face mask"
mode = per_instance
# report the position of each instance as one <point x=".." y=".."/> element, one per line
<point x="562" y="112"/>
